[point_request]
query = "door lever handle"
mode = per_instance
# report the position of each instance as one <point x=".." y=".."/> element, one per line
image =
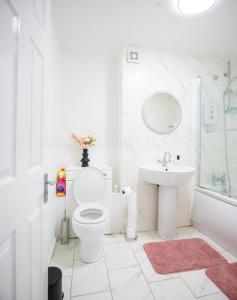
<point x="51" y="182"/>
<point x="47" y="182"/>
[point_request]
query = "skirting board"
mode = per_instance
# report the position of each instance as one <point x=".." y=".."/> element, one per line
<point x="51" y="252"/>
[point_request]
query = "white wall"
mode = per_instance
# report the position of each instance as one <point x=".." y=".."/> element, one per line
<point x="159" y="71"/>
<point x="89" y="105"/>
<point x="80" y="95"/>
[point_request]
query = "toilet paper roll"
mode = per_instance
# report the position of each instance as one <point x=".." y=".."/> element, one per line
<point x="127" y="190"/>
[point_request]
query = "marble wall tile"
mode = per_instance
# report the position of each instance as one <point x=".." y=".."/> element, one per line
<point x="174" y="73"/>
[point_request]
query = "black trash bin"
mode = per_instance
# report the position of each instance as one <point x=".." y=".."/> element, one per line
<point x="55" y="284"/>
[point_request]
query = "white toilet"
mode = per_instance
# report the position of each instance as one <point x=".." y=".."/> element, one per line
<point x="91" y="218"/>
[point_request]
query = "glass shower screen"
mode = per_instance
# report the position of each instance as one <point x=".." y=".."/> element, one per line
<point x="218" y="133"/>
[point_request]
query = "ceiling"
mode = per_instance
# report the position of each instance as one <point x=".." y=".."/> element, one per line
<point x="107" y="25"/>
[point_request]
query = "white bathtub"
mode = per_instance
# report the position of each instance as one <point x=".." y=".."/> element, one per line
<point x="216" y="216"/>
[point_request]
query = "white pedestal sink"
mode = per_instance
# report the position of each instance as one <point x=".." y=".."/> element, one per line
<point x="168" y="179"/>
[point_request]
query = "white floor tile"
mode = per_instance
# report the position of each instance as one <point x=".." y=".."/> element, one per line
<point x="187" y="232"/>
<point x="77" y="245"/>
<point x="128" y="264"/>
<point x="113" y="238"/>
<point x="97" y="296"/>
<point x="66" y="287"/>
<point x="155" y="236"/>
<point x="172" y="289"/>
<point x="69" y="245"/>
<point x="147" y="269"/>
<point x="77" y="250"/>
<point x="144" y="237"/>
<point x="129" y="284"/>
<point x="119" y="255"/>
<point x="89" y="278"/>
<point x="218" y="296"/>
<point x="63" y="258"/>
<point x="199" y="283"/>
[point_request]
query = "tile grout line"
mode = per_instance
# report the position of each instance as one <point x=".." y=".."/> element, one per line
<point x="142" y="273"/>
<point x="76" y="260"/>
<point x="73" y="267"/>
<point x="107" y="271"/>
<point x="88" y="294"/>
<point x="186" y="285"/>
<point x="127" y="267"/>
<point x="218" y="293"/>
<point x="197" y="297"/>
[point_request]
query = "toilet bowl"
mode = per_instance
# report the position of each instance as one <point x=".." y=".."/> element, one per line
<point x="91" y="217"/>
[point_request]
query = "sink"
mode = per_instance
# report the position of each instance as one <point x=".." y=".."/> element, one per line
<point x="171" y="176"/>
<point x="168" y="178"/>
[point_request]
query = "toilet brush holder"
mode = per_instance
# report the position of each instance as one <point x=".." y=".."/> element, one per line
<point x="65" y="230"/>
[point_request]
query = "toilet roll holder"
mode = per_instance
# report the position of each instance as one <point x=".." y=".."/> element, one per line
<point x="129" y="239"/>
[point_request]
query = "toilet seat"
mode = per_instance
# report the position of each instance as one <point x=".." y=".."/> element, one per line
<point x="91" y="213"/>
<point x="89" y="186"/>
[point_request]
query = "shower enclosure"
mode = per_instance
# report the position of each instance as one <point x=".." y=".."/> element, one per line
<point x="218" y="132"/>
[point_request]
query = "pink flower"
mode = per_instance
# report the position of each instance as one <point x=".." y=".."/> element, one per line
<point x="85" y="142"/>
<point x="74" y="137"/>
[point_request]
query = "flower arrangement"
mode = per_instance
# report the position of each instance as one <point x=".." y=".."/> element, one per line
<point x="84" y="142"/>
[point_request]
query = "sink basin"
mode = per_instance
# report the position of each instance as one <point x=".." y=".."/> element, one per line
<point x="168" y="179"/>
<point x="171" y="176"/>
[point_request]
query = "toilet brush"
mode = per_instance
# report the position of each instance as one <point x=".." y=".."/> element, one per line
<point x="65" y="229"/>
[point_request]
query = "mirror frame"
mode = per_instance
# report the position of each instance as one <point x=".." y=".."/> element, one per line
<point x="162" y="132"/>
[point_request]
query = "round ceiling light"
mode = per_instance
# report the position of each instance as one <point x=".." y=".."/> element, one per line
<point x="192" y="7"/>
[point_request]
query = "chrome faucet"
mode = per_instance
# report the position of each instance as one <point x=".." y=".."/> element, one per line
<point x="165" y="161"/>
<point x="221" y="179"/>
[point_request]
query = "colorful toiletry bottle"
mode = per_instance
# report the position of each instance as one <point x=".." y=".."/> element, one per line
<point x="61" y="183"/>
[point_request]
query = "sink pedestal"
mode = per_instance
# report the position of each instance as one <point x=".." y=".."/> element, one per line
<point x="167" y="212"/>
<point x="168" y="179"/>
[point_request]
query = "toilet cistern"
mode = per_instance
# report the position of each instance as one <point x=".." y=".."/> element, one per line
<point x="165" y="161"/>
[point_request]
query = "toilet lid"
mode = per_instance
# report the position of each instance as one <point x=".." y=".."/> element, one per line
<point x="91" y="213"/>
<point x="89" y="185"/>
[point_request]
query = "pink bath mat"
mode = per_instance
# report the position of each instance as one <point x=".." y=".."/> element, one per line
<point x="182" y="255"/>
<point x="225" y="277"/>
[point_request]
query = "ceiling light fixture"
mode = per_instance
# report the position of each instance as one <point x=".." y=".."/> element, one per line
<point x="192" y="7"/>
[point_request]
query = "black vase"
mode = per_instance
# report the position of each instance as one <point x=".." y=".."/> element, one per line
<point x="85" y="160"/>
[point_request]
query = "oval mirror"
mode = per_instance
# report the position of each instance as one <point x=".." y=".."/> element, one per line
<point x="161" y="113"/>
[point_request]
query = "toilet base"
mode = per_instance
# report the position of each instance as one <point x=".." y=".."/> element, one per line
<point x="90" y="251"/>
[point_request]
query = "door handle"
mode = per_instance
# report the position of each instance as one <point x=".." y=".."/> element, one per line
<point x="47" y="182"/>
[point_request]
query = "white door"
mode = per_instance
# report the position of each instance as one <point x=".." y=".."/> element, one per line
<point x="23" y="267"/>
